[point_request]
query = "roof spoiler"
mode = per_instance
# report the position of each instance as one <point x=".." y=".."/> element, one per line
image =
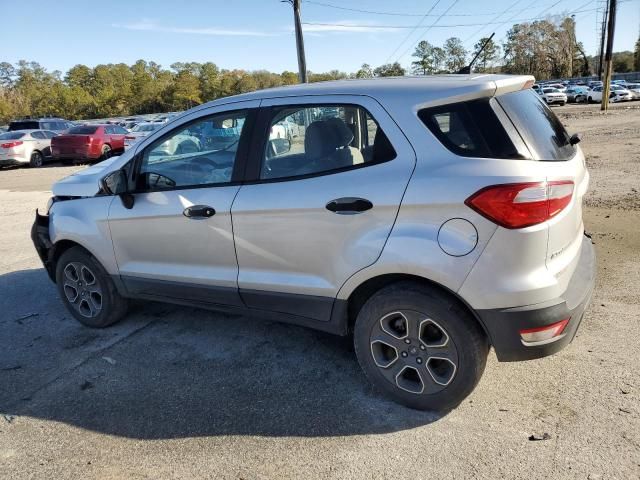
<point x="513" y="84"/>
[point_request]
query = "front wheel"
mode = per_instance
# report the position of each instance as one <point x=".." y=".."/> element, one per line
<point x="87" y="290"/>
<point x="419" y="347"/>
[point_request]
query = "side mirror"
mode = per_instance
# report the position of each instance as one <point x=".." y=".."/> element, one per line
<point x="575" y="139"/>
<point x="280" y="145"/>
<point x="115" y="183"/>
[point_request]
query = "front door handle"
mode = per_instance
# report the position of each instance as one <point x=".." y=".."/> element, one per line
<point x="199" y="211"/>
<point x="349" y="205"/>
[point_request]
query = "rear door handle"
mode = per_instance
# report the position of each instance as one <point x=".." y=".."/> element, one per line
<point x="349" y="205"/>
<point x="199" y="211"/>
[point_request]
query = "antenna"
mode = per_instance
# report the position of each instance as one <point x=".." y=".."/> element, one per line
<point x="467" y="69"/>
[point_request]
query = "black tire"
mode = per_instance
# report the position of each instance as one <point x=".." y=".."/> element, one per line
<point x="111" y="306"/>
<point x="453" y="325"/>
<point x="36" y="159"/>
<point x="106" y="152"/>
<point x="589" y="100"/>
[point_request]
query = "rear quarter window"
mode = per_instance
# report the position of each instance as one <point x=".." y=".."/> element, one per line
<point x="24" y="125"/>
<point x="83" y="130"/>
<point x="470" y="129"/>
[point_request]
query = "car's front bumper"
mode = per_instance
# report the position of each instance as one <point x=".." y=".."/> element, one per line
<point x="42" y="242"/>
<point x="504" y="325"/>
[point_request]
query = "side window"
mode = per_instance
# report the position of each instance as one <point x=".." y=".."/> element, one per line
<point x="323" y="138"/>
<point x="47" y="125"/>
<point x="39" y="135"/>
<point x="470" y="129"/>
<point x="109" y="130"/>
<point x="49" y="133"/>
<point x="119" y="130"/>
<point x="199" y="153"/>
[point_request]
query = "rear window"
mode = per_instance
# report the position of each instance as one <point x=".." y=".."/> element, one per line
<point x="538" y="126"/>
<point x="83" y="130"/>
<point x="470" y="129"/>
<point x="12" y="135"/>
<point x="24" y="125"/>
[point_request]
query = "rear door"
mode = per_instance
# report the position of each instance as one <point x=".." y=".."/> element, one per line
<point x="320" y="205"/>
<point x="177" y="241"/>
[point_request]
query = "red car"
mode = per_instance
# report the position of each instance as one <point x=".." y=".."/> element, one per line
<point x="88" y="142"/>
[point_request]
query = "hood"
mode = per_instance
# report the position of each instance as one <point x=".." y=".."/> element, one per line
<point x="86" y="182"/>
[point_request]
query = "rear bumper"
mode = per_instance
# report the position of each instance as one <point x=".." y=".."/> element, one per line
<point x="504" y="325"/>
<point x="42" y="243"/>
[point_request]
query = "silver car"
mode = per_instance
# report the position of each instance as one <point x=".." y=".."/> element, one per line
<point x="431" y="218"/>
<point x="25" y="147"/>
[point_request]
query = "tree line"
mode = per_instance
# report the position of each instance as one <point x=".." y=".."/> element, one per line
<point x="544" y="48"/>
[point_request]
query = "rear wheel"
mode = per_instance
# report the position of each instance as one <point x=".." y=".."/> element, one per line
<point x="87" y="290"/>
<point x="419" y="347"/>
<point x="106" y="152"/>
<point x="589" y="100"/>
<point x="36" y="159"/>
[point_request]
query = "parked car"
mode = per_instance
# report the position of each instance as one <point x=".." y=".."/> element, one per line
<point x="140" y="131"/>
<point x="616" y="94"/>
<point x="386" y="224"/>
<point x="554" y="96"/>
<point x="576" y="94"/>
<point x="558" y="86"/>
<point x="89" y="142"/>
<point x="634" y="89"/>
<point x="25" y="147"/>
<point x="47" y="123"/>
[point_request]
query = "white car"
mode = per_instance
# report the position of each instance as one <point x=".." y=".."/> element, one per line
<point x="553" y="95"/>
<point x="617" y="94"/>
<point x="634" y="89"/>
<point x="25" y="147"/>
<point x="140" y="131"/>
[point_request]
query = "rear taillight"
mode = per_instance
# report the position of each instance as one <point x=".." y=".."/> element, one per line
<point x="544" y="334"/>
<point x="12" y="144"/>
<point x="519" y="205"/>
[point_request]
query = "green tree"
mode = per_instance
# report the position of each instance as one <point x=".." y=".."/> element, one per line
<point x="365" y="71"/>
<point x="455" y="54"/>
<point x="185" y="93"/>
<point x="390" y="70"/>
<point x="425" y="59"/>
<point x="636" y="56"/>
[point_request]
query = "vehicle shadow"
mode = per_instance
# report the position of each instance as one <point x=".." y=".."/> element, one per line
<point x="174" y="372"/>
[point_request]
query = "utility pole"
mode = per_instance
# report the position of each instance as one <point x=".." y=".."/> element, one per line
<point x="606" y="84"/>
<point x="602" y="37"/>
<point x="302" y="61"/>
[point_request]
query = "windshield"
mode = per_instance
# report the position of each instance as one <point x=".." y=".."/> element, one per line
<point x="12" y="135"/>
<point x="149" y="127"/>
<point x="538" y="125"/>
<point x="83" y="130"/>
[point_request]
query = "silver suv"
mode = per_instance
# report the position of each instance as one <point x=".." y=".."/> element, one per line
<point x="430" y="218"/>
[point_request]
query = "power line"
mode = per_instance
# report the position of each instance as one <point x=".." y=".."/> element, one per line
<point x="429" y="28"/>
<point x="404" y="27"/>
<point x="411" y="32"/>
<point x="396" y="14"/>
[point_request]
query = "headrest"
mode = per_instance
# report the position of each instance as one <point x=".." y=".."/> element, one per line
<point x="324" y="137"/>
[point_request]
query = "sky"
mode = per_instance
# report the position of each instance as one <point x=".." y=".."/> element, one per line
<point x="258" y="34"/>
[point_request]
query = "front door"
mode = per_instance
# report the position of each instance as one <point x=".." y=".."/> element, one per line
<point x="321" y="203"/>
<point x="177" y="241"/>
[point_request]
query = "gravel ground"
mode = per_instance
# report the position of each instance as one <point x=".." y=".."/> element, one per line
<point x="181" y="393"/>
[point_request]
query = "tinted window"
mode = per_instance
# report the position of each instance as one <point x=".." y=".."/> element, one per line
<point x="201" y="153"/>
<point x="38" y="135"/>
<point x="146" y="127"/>
<point x="470" y="129"/>
<point x="315" y="139"/>
<point x="119" y="130"/>
<point x="24" y="125"/>
<point x="12" y="135"/>
<point x="49" y="134"/>
<point x="83" y="130"/>
<point x="538" y="125"/>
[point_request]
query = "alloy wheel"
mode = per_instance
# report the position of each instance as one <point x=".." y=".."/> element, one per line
<point x="413" y="352"/>
<point x="82" y="289"/>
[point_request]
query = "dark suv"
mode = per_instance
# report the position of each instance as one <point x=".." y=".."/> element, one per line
<point x="49" y="123"/>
